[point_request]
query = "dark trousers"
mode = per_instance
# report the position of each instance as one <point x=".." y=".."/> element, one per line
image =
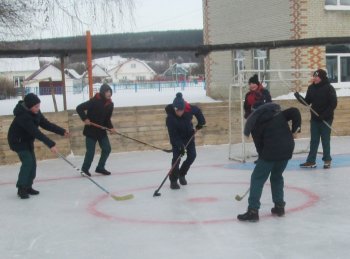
<point x="319" y="130"/>
<point x="90" y="152"/>
<point x="27" y="171"/>
<point x="259" y="176"/>
<point x="191" y="156"/>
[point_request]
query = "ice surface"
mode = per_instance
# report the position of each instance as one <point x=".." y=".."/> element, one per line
<point x="72" y="218"/>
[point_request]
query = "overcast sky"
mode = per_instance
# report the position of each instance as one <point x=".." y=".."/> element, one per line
<point x="149" y="15"/>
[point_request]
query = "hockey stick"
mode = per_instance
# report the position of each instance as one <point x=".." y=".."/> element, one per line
<point x="125" y="136"/>
<point x="156" y="192"/>
<point x="117" y="198"/>
<point x="239" y="198"/>
<point x="314" y="112"/>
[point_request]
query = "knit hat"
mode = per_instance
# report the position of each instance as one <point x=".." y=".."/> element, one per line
<point x="321" y="74"/>
<point x="254" y="80"/>
<point x="179" y="102"/>
<point x="30" y="100"/>
<point x="105" y="88"/>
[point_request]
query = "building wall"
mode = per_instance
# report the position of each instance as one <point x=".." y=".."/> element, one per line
<point x="234" y="21"/>
<point x="132" y="73"/>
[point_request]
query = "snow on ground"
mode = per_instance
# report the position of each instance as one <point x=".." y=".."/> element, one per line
<point x="122" y="98"/>
<point x="73" y="218"/>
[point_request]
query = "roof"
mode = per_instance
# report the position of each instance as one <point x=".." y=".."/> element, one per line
<point x="116" y="68"/>
<point x="72" y="73"/>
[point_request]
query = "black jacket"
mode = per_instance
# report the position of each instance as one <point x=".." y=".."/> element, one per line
<point x="99" y="110"/>
<point x="180" y="129"/>
<point x="24" y="129"/>
<point x="323" y="100"/>
<point x="272" y="136"/>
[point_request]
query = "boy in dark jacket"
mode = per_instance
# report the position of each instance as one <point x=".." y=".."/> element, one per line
<point x="323" y="99"/>
<point x="180" y="129"/>
<point x="274" y="142"/>
<point x="99" y="110"/>
<point x="22" y="133"/>
<point x="256" y="96"/>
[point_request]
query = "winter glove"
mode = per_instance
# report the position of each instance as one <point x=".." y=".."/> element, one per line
<point x="198" y="126"/>
<point x="182" y="151"/>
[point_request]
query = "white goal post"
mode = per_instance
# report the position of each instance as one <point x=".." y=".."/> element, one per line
<point x="280" y="82"/>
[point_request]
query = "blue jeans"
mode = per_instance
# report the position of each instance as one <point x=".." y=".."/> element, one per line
<point x="319" y="130"/>
<point x="259" y="176"/>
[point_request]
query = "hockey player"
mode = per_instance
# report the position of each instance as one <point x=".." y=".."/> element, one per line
<point x="21" y="136"/>
<point x="323" y="99"/>
<point x="180" y="129"/>
<point x="256" y="96"/>
<point x="98" y="110"/>
<point x="274" y="143"/>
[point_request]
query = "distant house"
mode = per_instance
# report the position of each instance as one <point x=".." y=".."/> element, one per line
<point x="41" y="79"/>
<point x="17" y="69"/>
<point x="132" y="70"/>
<point x="99" y="74"/>
<point x="176" y="72"/>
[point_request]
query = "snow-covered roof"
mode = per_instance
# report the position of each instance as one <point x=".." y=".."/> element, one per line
<point x="73" y="74"/>
<point x="19" y="64"/>
<point x="109" y="62"/>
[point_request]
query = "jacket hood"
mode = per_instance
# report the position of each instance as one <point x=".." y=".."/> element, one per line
<point x="265" y="112"/>
<point x="20" y="108"/>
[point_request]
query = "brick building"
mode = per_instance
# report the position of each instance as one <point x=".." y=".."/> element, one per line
<point x="237" y="21"/>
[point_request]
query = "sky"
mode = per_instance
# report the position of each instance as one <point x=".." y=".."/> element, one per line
<point x="150" y="15"/>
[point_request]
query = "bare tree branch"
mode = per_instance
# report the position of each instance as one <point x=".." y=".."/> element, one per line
<point x="21" y="19"/>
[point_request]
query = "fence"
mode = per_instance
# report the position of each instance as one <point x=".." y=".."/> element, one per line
<point x="79" y="88"/>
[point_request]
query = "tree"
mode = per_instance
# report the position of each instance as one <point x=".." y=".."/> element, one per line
<point x="56" y="18"/>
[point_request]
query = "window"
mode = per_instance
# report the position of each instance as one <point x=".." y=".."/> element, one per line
<point x="18" y="81"/>
<point x="260" y="62"/>
<point x="140" y="78"/>
<point x="337" y="2"/>
<point x="345" y="69"/>
<point x="337" y="5"/>
<point x="338" y="69"/>
<point x="133" y="65"/>
<point x="238" y="61"/>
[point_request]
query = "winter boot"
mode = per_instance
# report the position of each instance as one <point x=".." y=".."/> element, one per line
<point x="182" y="180"/>
<point x="327" y="164"/>
<point x="102" y="171"/>
<point x="308" y="165"/>
<point x="174" y="185"/>
<point x="32" y="191"/>
<point x="22" y="193"/>
<point x="252" y="215"/>
<point x="86" y="172"/>
<point x="278" y="211"/>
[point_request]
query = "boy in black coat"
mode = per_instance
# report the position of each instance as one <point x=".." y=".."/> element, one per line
<point x="99" y="110"/>
<point x="180" y="129"/>
<point x="21" y="136"/>
<point x="274" y="142"/>
<point x="323" y="99"/>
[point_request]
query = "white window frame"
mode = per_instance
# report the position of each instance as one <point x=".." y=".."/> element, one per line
<point x="238" y="61"/>
<point x="337" y="7"/>
<point x="339" y="84"/>
<point x="261" y="61"/>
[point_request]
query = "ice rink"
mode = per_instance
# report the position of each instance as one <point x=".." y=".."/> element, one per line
<point x="72" y="218"/>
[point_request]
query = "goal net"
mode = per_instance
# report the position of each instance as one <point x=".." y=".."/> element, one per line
<point x="281" y="83"/>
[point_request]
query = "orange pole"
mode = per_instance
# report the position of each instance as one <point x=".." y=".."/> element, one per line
<point x="89" y="61"/>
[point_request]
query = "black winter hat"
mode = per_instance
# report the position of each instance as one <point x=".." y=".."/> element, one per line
<point x="321" y="74"/>
<point x="30" y="100"/>
<point x="254" y="80"/>
<point x="179" y="102"/>
<point x="105" y="88"/>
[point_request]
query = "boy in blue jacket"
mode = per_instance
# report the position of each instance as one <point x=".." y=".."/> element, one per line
<point x="180" y="129"/>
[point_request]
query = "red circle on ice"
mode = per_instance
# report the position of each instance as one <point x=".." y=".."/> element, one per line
<point x="310" y="199"/>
